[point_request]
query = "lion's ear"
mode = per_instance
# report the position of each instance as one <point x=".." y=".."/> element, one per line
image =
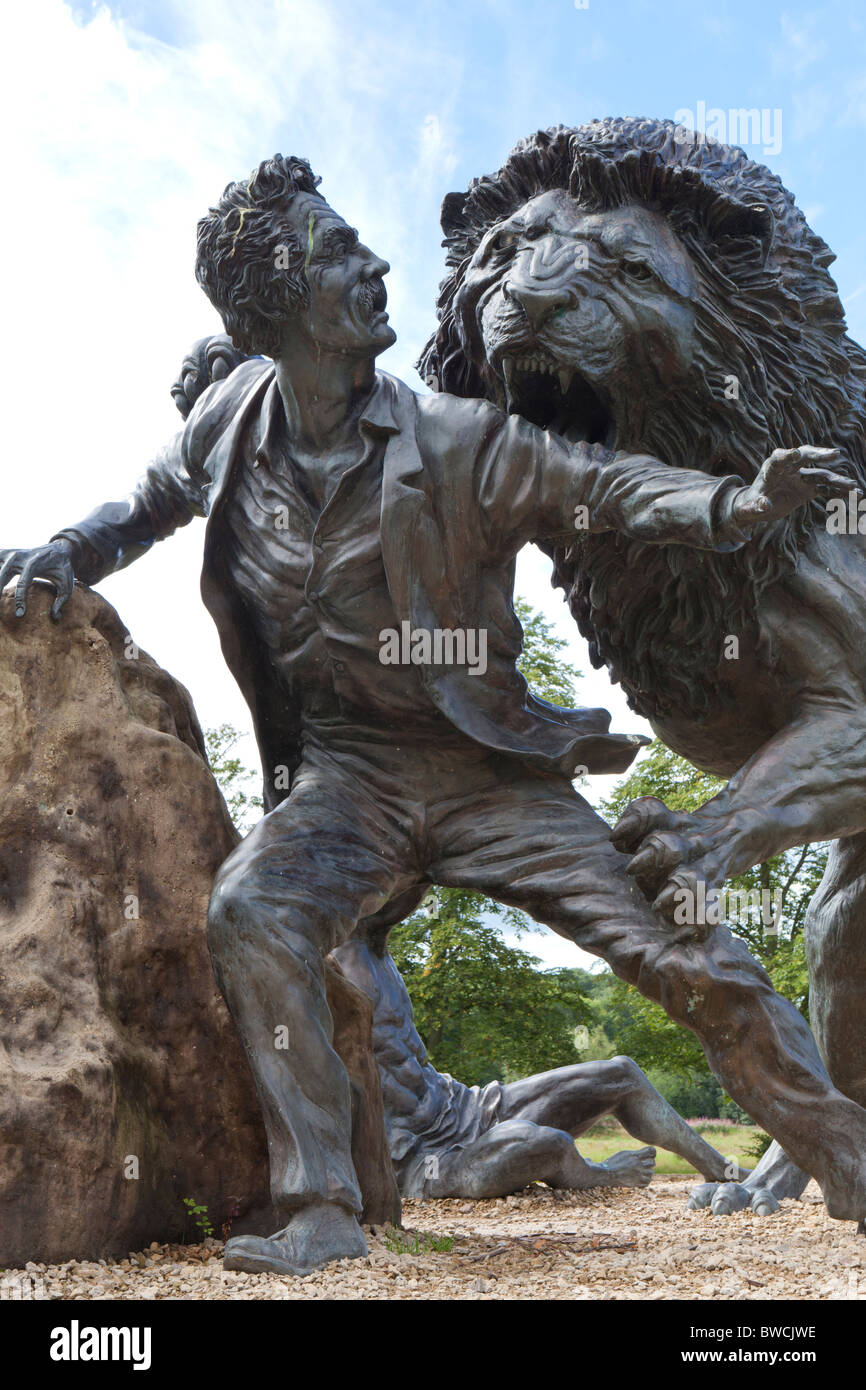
<point x="754" y="222"/>
<point x="453" y="215"/>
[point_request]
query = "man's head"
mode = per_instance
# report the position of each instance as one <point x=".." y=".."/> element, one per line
<point x="280" y="265"/>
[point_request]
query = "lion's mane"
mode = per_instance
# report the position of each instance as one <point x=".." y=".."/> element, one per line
<point x="768" y="314"/>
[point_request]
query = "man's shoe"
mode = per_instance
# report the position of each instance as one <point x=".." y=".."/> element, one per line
<point x="315" y="1236"/>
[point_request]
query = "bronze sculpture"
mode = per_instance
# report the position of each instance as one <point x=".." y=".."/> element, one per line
<point x="339" y="505"/>
<point x="701" y="315"/>
<point x="451" y="1140"/>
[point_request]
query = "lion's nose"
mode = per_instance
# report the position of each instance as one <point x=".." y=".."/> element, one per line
<point x="538" y="302"/>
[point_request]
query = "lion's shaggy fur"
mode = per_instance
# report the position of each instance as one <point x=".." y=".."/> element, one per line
<point x="768" y="314"/>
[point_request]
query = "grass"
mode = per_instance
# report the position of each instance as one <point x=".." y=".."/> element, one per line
<point x="734" y="1141"/>
<point x="401" y="1243"/>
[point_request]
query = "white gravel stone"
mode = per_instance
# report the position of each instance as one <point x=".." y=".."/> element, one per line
<point x="618" y="1244"/>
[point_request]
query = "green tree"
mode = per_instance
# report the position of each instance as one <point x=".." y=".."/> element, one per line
<point x="643" y="1029"/>
<point x="483" y="1007"/>
<point x="236" y="781"/>
<point x="540" y="661"/>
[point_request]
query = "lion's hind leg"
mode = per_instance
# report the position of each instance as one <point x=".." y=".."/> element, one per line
<point x="835" y="935"/>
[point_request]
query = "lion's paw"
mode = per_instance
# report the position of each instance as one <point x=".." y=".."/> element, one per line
<point x="725" y="1198"/>
<point x="642" y="817"/>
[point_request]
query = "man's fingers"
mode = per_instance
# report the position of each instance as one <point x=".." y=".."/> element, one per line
<point x="659" y="853"/>
<point x="24" y="582"/>
<point x="783" y="458"/>
<point x="826" y="478"/>
<point x="790" y="460"/>
<point x="11" y="566"/>
<point x="811" y="453"/>
<point x="64" y="584"/>
<point x="47" y="562"/>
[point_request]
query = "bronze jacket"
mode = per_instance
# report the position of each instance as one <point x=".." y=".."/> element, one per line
<point x="465" y="487"/>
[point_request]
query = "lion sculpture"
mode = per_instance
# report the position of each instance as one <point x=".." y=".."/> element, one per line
<point x="643" y="287"/>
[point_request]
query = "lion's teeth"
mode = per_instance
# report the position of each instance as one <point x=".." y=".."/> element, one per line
<point x="508" y="374"/>
<point x="566" y="375"/>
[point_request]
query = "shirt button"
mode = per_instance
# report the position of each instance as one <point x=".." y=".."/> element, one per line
<point x="314" y="596"/>
<point x="339" y="666"/>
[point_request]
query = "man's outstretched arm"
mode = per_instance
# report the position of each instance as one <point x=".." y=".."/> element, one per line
<point x="112" y="536"/>
<point x="533" y="486"/>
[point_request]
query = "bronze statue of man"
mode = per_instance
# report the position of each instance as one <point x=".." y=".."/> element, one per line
<point x="342" y="506"/>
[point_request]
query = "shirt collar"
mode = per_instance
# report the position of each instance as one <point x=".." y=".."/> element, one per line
<point x="379" y="416"/>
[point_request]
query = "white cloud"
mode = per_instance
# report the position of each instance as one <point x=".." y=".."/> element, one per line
<point x="802" y="44"/>
<point x="119" y="142"/>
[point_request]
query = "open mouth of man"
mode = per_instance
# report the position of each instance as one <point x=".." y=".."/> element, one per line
<point x="372" y="298"/>
<point x="555" y="397"/>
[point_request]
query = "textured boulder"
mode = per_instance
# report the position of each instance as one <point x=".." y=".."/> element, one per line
<point x="123" y="1087"/>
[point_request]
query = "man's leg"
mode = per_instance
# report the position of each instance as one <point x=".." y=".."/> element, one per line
<point x="533" y="843"/>
<point x="574" y="1098"/>
<point x="516" y="1153"/>
<point x="289" y="893"/>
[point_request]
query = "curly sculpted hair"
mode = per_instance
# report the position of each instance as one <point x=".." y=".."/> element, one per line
<point x="249" y="260"/>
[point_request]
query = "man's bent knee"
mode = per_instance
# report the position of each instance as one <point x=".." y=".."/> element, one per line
<point x="626" y="1072"/>
<point x="241" y="903"/>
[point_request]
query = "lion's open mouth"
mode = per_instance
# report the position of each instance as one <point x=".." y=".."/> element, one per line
<point x="555" y="397"/>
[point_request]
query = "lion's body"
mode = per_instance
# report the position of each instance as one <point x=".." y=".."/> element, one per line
<point x="678" y="290"/>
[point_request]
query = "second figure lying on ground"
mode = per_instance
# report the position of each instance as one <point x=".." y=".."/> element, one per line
<point x="451" y="1140"/>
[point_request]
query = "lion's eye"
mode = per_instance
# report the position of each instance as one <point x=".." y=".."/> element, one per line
<point x="505" y="241"/>
<point x="636" y="270"/>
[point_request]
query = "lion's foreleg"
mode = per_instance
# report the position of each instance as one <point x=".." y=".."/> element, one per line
<point x="807" y="783"/>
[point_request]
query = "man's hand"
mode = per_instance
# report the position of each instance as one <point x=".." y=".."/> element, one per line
<point x="788" y="479"/>
<point x="52" y="562"/>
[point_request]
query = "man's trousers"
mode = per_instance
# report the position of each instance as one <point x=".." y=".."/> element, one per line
<point x="371" y="813"/>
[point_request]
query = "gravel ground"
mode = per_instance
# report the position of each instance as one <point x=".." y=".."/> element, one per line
<point x="619" y="1244"/>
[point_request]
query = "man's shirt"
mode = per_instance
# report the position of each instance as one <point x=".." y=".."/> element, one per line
<point x="464" y="488"/>
<point x="312" y="578"/>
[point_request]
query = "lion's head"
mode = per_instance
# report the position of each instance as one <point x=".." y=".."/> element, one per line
<point x="633" y="284"/>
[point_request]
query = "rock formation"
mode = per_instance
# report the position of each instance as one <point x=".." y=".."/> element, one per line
<point x="123" y="1087"/>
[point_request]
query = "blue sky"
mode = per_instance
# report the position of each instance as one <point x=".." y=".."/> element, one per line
<point x="124" y="121"/>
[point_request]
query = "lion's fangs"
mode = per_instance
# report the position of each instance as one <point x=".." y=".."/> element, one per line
<point x="542" y="365"/>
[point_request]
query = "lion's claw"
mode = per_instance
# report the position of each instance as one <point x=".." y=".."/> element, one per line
<point x="730" y="1197"/>
<point x="725" y="1198"/>
<point x="701" y="1196"/>
<point x="657" y="856"/>
<point x="671" y="897"/>
<point x="763" y="1202"/>
<point x="640" y="818"/>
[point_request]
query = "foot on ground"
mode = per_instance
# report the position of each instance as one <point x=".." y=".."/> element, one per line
<point x="315" y="1236"/>
<point x="631" y="1168"/>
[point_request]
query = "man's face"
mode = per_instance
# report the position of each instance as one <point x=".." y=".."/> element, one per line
<point x="346" y="309"/>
